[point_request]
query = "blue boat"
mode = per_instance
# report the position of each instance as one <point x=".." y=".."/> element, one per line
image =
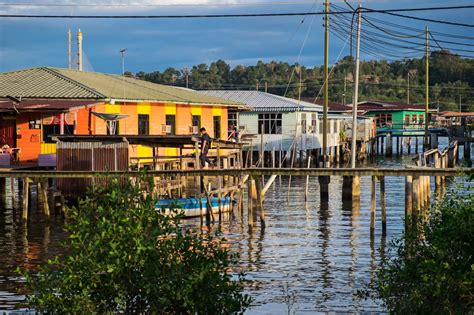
<point x="191" y="206"/>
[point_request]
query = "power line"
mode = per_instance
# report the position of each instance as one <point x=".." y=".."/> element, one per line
<point x="246" y="15"/>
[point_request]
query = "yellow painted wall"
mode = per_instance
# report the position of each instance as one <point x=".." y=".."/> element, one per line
<point x="48" y="148"/>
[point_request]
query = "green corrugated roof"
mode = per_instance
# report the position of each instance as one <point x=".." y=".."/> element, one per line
<point x="44" y="82"/>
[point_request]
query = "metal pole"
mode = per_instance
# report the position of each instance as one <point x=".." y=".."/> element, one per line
<point x="69" y="50"/>
<point x="427" y="100"/>
<point x="122" y="52"/>
<point x="326" y="82"/>
<point x="408" y="88"/>
<point x="79" y="50"/>
<point x="356" y="94"/>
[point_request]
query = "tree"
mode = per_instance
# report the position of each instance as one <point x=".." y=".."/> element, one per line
<point x="433" y="271"/>
<point x="126" y="256"/>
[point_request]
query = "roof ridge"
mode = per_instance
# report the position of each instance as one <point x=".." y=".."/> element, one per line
<point x="53" y="71"/>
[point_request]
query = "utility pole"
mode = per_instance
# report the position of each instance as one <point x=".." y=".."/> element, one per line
<point x="356" y="93"/>
<point x="326" y="82"/>
<point x="408" y="87"/>
<point x="69" y="49"/>
<point x="79" y="50"/>
<point x="122" y="53"/>
<point x="460" y="97"/>
<point x="427" y="78"/>
<point x="344" y="94"/>
<point x="266" y="86"/>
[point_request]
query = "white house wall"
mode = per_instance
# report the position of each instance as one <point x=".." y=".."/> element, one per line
<point x="283" y="142"/>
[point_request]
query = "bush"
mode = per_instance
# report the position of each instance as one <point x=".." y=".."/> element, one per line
<point x="433" y="270"/>
<point x="125" y="256"/>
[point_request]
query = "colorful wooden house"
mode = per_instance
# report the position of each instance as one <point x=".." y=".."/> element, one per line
<point x="399" y="118"/>
<point x="40" y="102"/>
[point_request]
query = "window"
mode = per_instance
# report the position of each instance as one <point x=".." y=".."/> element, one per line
<point x="413" y="119"/>
<point x="196" y="120"/>
<point x="232" y="119"/>
<point x="407" y="119"/>
<point x="143" y="124"/>
<point x="217" y="127"/>
<point x="422" y="119"/>
<point x="314" y="121"/>
<point x="384" y="119"/>
<point x="303" y="123"/>
<point x="271" y="123"/>
<point x="34" y="124"/>
<point x="171" y="121"/>
<point x="49" y="130"/>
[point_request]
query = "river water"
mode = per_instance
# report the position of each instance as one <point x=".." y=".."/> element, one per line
<point x="311" y="258"/>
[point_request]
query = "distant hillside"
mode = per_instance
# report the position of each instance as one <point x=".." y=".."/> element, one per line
<point x="451" y="79"/>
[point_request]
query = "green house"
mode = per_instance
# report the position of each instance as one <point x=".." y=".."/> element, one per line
<point x="399" y="118"/>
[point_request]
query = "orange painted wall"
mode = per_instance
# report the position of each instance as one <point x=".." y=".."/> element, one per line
<point x="28" y="140"/>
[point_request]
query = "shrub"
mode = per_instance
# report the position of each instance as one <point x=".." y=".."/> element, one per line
<point x="433" y="270"/>
<point x="126" y="256"/>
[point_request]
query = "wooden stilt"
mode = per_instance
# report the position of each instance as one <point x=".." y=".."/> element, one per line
<point x="398" y="145"/>
<point x="408" y="201"/>
<point x="259" y="200"/>
<point x="26" y="197"/>
<point x="324" y="188"/>
<point x="382" y="205"/>
<point x="307" y="181"/>
<point x="409" y="145"/>
<point x="416" y="198"/>
<point x="42" y="191"/>
<point x="251" y="184"/>
<point x="372" y="205"/>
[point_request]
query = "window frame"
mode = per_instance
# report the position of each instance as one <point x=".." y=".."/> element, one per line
<point x="272" y="123"/>
<point x="144" y="129"/>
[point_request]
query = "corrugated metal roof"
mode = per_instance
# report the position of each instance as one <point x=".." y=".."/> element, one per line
<point x="44" y="82"/>
<point x="44" y="104"/>
<point x="261" y="101"/>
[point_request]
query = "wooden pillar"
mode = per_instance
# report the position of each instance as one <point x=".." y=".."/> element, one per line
<point x="372" y="204"/>
<point x="324" y="188"/>
<point x="251" y="197"/>
<point x="382" y="205"/>
<point x="389" y="145"/>
<point x="398" y="145"/>
<point x="382" y="140"/>
<point x="409" y="145"/>
<point x="42" y="191"/>
<point x="3" y="182"/>
<point x="467" y="150"/>
<point x="437" y="164"/>
<point x="408" y="201"/>
<point x="416" y="144"/>
<point x="416" y="198"/>
<point x="351" y="188"/>
<point x="197" y="166"/>
<point x="259" y="201"/>
<point x="26" y="197"/>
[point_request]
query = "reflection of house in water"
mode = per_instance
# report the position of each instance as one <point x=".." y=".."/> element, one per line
<point x="52" y="101"/>
<point x="282" y="122"/>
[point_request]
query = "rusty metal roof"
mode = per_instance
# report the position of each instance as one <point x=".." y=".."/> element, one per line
<point x="56" y="83"/>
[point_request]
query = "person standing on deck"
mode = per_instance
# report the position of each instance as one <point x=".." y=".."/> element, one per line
<point x="205" y="145"/>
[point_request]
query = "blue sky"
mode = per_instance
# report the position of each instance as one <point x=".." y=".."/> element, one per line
<point x="158" y="44"/>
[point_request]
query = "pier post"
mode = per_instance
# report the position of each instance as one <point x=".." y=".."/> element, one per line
<point x="398" y="145"/>
<point x="26" y="197"/>
<point x="259" y="201"/>
<point x="42" y="191"/>
<point x="437" y="164"/>
<point x="382" y="205"/>
<point x="372" y="204"/>
<point x="382" y="140"/>
<point x="467" y="150"/>
<point x="408" y="201"/>
<point x="351" y="188"/>
<point x="252" y="197"/>
<point x="416" y="144"/>
<point x="416" y="198"/>
<point x="324" y="188"/>
<point x="388" y="149"/>
<point x="409" y="145"/>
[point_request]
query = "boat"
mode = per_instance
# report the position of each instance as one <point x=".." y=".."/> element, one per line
<point x="191" y="206"/>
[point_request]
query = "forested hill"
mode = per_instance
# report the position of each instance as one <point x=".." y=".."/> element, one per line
<point x="451" y="79"/>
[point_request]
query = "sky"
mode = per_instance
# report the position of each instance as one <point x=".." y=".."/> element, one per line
<point x="158" y="44"/>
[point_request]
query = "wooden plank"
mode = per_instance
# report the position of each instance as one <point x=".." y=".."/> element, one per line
<point x="402" y="172"/>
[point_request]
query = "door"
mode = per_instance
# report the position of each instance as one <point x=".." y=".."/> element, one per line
<point x="7" y="131"/>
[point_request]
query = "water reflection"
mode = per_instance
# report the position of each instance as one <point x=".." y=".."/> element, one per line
<point x="311" y="257"/>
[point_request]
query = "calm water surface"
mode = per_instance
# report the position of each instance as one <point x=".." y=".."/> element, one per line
<point x="311" y="258"/>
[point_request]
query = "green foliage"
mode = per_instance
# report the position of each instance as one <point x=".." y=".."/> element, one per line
<point x="125" y="256"/>
<point x="433" y="270"/>
<point x="451" y="77"/>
